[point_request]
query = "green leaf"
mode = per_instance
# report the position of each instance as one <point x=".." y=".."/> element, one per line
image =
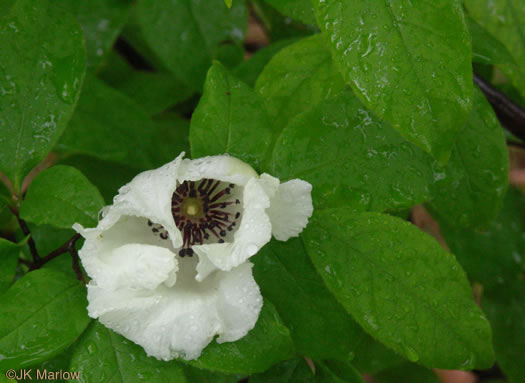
<point x="42" y="314"/>
<point x="409" y="62"/>
<point x="104" y="356"/>
<point x="372" y="357"/>
<point x="228" y="3"/>
<point x="250" y="69"/>
<point x="507" y="318"/>
<point x="320" y="327"/>
<point x="42" y="68"/>
<point x="297" y="9"/>
<point x="338" y="371"/>
<point x="407" y="372"/>
<point x="492" y="256"/>
<point x="186" y="34"/>
<point x="106" y="125"/>
<point x="299" y="77"/>
<point x="9" y="252"/>
<point x="101" y="22"/>
<point x="61" y="196"/>
<point x="268" y="343"/>
<point x="229" y="119"/>
<point x="486" y="49"/>
<point x="504" y="19"/>
<point x="401" y="286"/>
<point x="172" y="137"/>
<point x="154" y="91"/>
<point x="204" y="376"/>
<point x="469" y="190"/>
<point x="376" y="168"/>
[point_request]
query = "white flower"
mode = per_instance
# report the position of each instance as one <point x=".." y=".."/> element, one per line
<point x="168" y="261"/>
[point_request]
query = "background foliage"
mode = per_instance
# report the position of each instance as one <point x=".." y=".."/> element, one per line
<point x="371" y="102"/>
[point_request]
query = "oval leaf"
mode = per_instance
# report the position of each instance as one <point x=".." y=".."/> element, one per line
<point x="376" y="168"/>
<point x="229" y="119"/>
<point x="41" y="315"/>
<point x="61" y="196"/>
<point x="409" y="62"/>
<point x="401" y="286"/>
<point x="39" y="82"/>
<point x="301" y="10"/>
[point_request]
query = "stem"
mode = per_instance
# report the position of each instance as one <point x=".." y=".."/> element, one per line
<point x="510" y="114"/>
<point x="27" y="232"/>
<point x="66" y="247"/>
<point x="76" y="264"/>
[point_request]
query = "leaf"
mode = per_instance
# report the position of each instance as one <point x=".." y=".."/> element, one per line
<point x="486" y="49"/>
<point x="229" y="119"/>
<point x="228" y="3"/>
<point x="101" y="22"/>
<point x="508" y="324"/>
<point x="104" y="356"/>
<point x="469" y="190"/>
<point x="268" y="343"/>
<point x="320" y="327"/>
<point x="106" y="125"/>
<point x="42" y="314"/>
<point x="401" y="286"/>
<point x="504" y="19"/>
<point x="376" y="168"/>
<point x="297" y="9"/>
<point x="407" y="372"/>
<point x="492" y="256"/>
<point x="297" y="78"/>
<point x="39" y="82"/>
<point x="250" y="69"/>
<point x="338" y="371"/>
<point x="409" y="62"/>
<point x="154" y="91"/>
<point x="372" y="357"/>
<point x="186" y="34"/>
<point x="9" y="252"/>
<point x="61" y="196"/>
<point x="204" y="376"/>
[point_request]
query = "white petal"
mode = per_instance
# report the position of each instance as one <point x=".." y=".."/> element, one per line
<point x="221" y="168"/>
<point x="181" y="321"/>
<point x="255" y="230"/>
<point x="290" y="208"/>
<point x="148" y="195"/>
<point x="111" y="256"/>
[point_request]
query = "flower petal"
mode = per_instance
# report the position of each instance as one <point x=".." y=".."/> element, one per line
<point x="113" y="257"/>
<point x="222" y="168"/>
<point x="181" y="321"/>
<point x="255" y="230"/>
<point x="148" y="195"/>
<point x="290" y="208"/>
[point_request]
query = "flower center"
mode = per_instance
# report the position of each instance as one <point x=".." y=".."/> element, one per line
<point x="204" y="211"/>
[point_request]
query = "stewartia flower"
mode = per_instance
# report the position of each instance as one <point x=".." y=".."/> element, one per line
<point x="168" y="260"/>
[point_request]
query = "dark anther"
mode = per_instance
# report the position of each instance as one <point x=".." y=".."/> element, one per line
<point x="150" y="223"/>
<point x="155" y="230"/>
<point x="231" y="186"/>
<point x="237" y="201"/>
<point x="221" y="240"/>
<point x="237" y="215"/>
<point x="164" y="235"/>
<point x="223" y="233"/>
<point x="227" y="190"/>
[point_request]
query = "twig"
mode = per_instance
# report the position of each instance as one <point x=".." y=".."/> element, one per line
<point x="66" y="247"/>
<point x="510" y="114"/>
<point x="27" y="232"/>
<point x="76" y="265"/>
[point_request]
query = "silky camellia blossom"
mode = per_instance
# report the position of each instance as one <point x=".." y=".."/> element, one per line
<point x="168" y="260"/>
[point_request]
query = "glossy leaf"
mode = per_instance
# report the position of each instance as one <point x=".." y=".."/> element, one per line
<point x="104" y="356"/>
<point x="9" y="252"/>
<point x="204" y="376"/>
<point x="108" y="125"/>
<point x="507" y="318"/>
<point x="186" y="34"/>
<point x="41" y="315"/>
<point x="401" y="286"/>
<point x="229" y="119"/>
<point x="61" y="196"/>
<point x="299" y="77"/>
<point x="39" y="82"/>
<point x="505" y="20"/>
<point x="486" y="49"/>
<point x="101" y="22"/>
<point x="470" y="189"/>
<point x="297" y="9"/>
<point x="268" y="343"/>
<point x="372" y="357"/>
<point x="320" y="327"/>
<point x="409" y="62"/>
<point x="376" y="168"/>
<point x="493" y="255"/>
